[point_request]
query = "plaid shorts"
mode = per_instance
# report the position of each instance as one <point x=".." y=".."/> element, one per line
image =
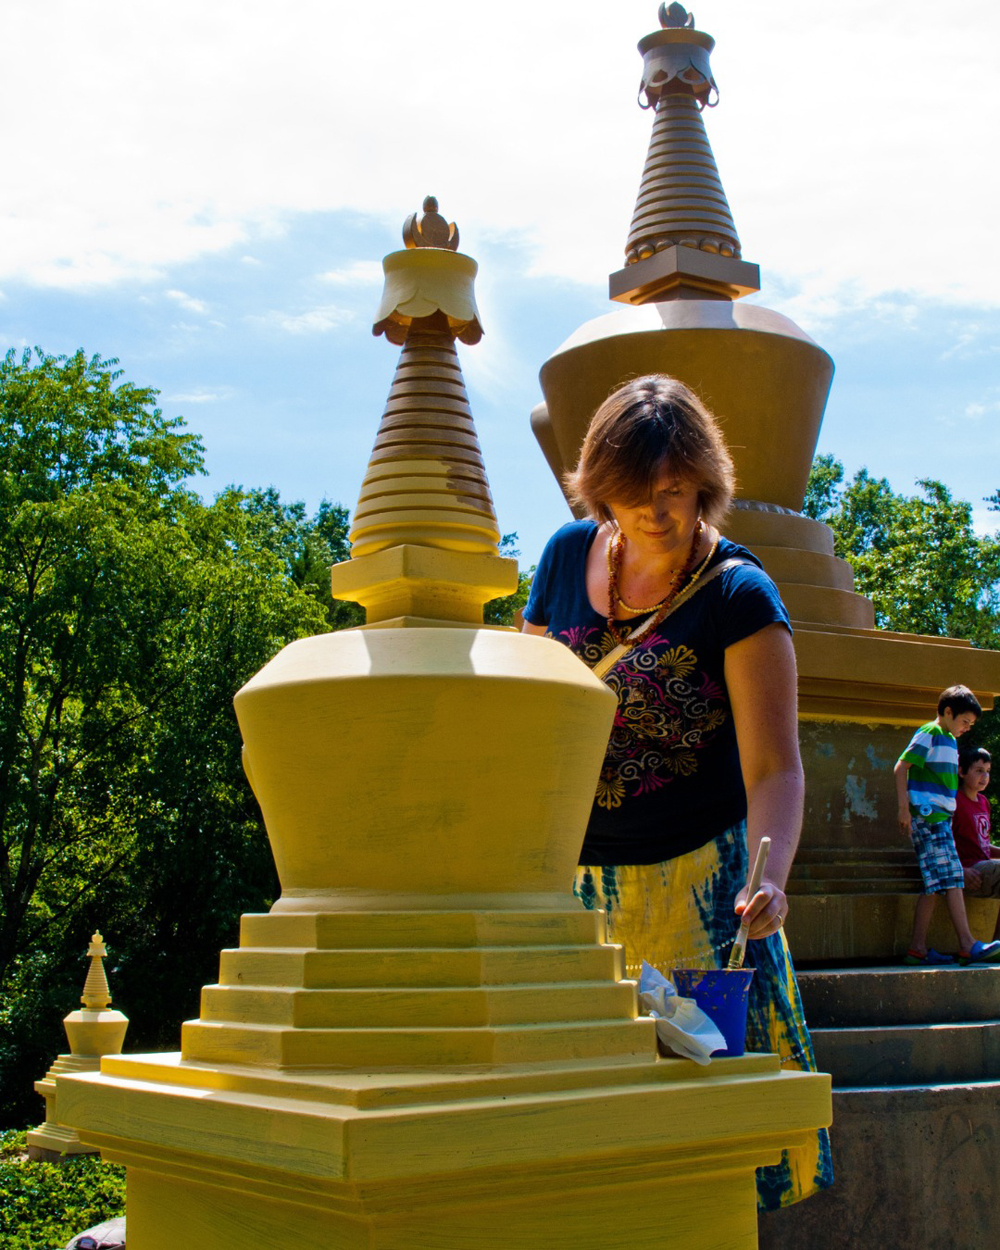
<point x="934" y="844"/>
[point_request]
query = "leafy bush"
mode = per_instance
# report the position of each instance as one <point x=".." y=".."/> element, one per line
<point x="43" y="1205"/>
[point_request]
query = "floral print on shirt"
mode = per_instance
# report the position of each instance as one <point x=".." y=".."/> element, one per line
<point x="668" y="710"/>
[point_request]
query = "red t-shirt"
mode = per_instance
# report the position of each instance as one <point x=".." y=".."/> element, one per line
<point x="971" y="827"/>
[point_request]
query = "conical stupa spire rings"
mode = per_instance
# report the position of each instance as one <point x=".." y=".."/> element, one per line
<point x="96" y="995"/>
<point x="681" y="200"/>
<point x="426" y="481"/>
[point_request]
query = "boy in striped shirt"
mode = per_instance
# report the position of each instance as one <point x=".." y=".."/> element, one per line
<point x="926" y="784"/>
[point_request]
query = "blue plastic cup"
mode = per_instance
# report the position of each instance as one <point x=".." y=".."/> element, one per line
<point x="722" y="996"/>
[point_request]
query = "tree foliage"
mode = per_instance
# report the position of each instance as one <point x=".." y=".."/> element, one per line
<point x="916" y="557"/>
<point x="502" y="611"/>
<point x="130" y="612"/>
<point x="47" y="1204"/>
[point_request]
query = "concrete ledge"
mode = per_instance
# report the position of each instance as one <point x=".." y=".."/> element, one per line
<point x="833" y="928"/>
<point x="915" y="1167"/>
<point x="910" y="1054"/>
<point x="850" y="998"/>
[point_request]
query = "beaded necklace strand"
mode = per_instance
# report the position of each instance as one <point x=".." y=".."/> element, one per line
<point x="615" y="552"/>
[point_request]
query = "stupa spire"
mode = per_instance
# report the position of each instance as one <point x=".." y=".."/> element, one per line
<point x="96" y="995"/>
<point x="683" y="241"/>
<point x="425" y="534"/>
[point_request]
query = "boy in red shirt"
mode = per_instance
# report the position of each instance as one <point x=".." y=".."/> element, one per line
<point x="971" y="827"/>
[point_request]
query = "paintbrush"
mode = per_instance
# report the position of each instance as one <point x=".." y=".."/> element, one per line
<point x="753" y="885"/>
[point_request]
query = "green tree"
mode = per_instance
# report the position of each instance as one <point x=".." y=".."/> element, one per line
<point x="307" y="546"/>
<point x="916" y="557"/>
<point x="823" y="487"/>
<point x="130" y="612"/>
<point x="502" y="611"/>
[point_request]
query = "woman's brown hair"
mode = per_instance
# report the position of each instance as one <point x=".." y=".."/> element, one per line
<point x="648" y="425"/>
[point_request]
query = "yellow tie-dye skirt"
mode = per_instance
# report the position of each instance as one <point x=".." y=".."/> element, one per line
<point x="680" y="914"/>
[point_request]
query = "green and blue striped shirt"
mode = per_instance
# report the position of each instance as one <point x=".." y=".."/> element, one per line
<point x="932" y="778"/>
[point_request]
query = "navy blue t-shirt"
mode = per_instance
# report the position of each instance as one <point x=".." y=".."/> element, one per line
<point x="671" y="778"/>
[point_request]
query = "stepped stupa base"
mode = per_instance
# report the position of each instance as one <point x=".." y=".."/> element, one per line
<point x="487" y="1084"/>
<point x="571" y="1155"/>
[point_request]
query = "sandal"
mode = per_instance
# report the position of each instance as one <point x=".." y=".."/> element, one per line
<point x="933" y="959"/>
<point x="981" y="953"/>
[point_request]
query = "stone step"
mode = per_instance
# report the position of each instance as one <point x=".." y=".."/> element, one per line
<point x="851" y="872"/>
<point x="869" y="855"/>
<point x="855" y="997"/>
<point x="882" y="884"/>
<point x="914" y="1167"/>
<point x="909" y="1054"/>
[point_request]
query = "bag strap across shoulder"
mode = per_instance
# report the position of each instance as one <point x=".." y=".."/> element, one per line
<point x="607" y="662"/>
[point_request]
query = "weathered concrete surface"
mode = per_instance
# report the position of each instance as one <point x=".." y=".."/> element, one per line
<point x="850" y="997"/>
<point x="910" y="1054"/>
<point x="914" y="1053"/>
<point x="905" y="1026"/>
<point x="916" y="1168"/>
<point x="855" y="881"/>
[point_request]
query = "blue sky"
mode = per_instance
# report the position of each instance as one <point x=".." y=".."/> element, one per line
<point x="206" y="192"/>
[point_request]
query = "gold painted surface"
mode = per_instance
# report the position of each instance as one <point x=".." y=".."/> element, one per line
<point x="742" y="360"/>
<point x="427" y="1042"/>
<point x="367" y="748"/>
<point x="425" y="281"/>
<point x="424" y="535"/>
<point x="682" y="243"/>
<point x="426" y="484"/>
<point x="680" y="200"/>
<point x="92" y="1032"/>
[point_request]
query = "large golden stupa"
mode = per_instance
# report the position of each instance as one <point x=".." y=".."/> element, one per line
<point x="860" y="689"/>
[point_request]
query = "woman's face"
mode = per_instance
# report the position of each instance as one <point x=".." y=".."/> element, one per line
<point x="665" y="522"/>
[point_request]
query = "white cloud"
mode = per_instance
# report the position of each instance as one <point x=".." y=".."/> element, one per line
<point x="357" y="273"/>
<point x="854" y="140"/>
<point x="314" y="321"/>
<point x="972" y="340"/>
<point x="187" y="302"/>
<point x="250" y="260"/>
<point x="203" y="395"/>
<point x="981" y="408"/>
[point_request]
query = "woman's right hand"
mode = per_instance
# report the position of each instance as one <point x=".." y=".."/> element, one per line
<point x="766" y="910"/>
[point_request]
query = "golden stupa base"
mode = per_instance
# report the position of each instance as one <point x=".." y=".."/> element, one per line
<point x="488" y="1084"/>
<point x="51" y="1142"/>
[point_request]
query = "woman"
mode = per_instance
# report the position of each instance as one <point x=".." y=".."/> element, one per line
<point x="703" y="756"/>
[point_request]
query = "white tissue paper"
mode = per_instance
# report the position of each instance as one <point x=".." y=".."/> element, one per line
<point x="681" y="1025"/>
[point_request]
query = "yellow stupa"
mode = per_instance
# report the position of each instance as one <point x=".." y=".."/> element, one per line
<point x="94" y="1031"/>
<point x="427" y="1042"/>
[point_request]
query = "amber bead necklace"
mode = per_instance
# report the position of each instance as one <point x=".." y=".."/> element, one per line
<point x="616" y="551"/>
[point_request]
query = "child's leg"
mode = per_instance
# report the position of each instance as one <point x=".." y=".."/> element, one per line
<point x="988" y="872"/>
<point x="921" y="923"/>
<point x="956" y="908"/>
